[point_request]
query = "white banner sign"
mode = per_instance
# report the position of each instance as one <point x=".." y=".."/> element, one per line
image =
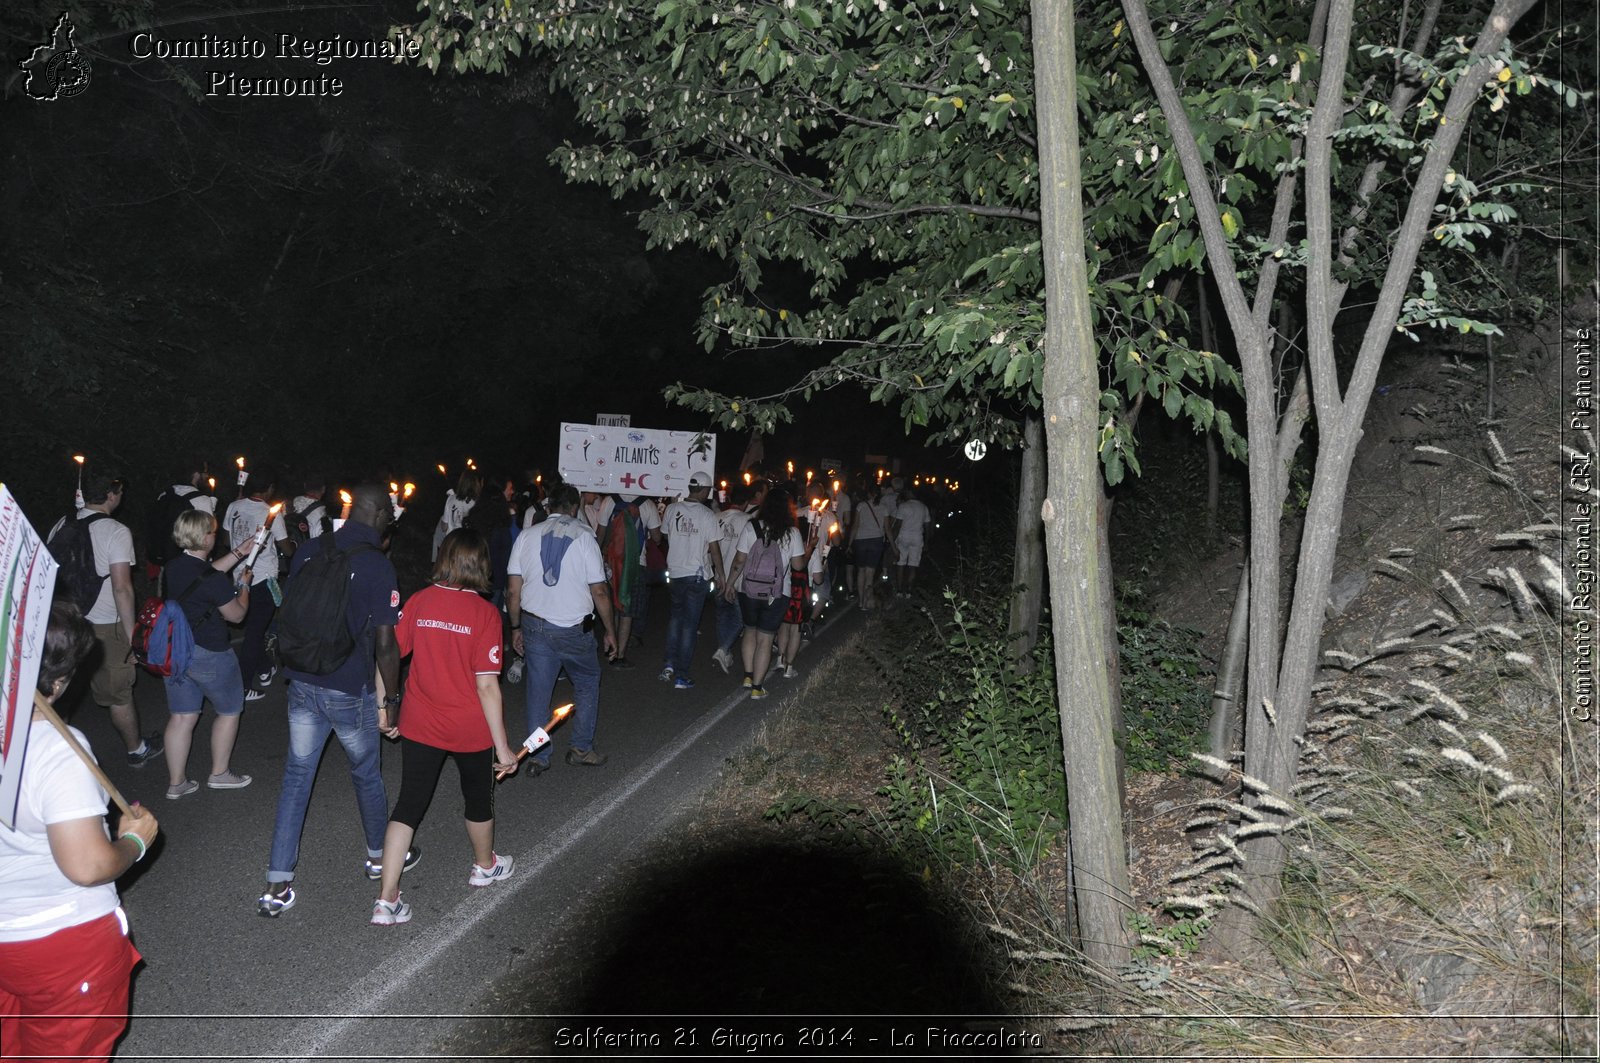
<point x="27" y="581"/>
<point x="633" y="461"/>
<point x="613" y="420"/>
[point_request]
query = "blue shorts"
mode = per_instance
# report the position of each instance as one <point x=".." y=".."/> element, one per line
<point x="763" y="614"/>
<point x="212" y="674"/>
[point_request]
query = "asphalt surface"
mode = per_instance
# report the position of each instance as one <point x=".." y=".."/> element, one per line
<point x="220" y="981"/>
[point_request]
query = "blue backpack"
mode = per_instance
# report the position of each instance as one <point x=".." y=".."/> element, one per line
<point x="163" y="641"/>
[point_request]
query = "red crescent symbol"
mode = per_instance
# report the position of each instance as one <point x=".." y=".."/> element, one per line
<point x="642" y="479"/>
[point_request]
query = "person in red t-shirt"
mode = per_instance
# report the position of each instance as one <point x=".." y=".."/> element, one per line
<point x="451" y="709"/>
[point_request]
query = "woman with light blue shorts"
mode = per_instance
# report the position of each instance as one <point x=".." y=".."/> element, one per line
<point x="209" y="601"/>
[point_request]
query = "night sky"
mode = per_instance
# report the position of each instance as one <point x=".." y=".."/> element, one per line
<point x="370" y="282"/>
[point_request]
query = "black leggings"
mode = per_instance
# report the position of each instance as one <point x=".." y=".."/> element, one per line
<point x="420" y="765"/>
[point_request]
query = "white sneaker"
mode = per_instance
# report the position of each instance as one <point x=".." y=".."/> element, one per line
<point x="390" y="913"/>
<point x="723" y="660"/>
<point x="488" y="876"/>
<point x="790" y="672"/>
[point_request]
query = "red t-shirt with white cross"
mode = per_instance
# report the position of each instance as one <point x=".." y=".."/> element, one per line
<point x="452" y="636"/>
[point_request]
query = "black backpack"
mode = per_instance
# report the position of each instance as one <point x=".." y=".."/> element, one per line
<point x="169" y="506"/>
<point x="313" y="635"/>
<point x="298" y="526"/>
<point x="73" y="548"/>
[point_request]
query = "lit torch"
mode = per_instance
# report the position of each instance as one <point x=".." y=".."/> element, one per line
<point x="243" y="475"/>
<point x="347" y="501"/>
<point x="261" y="535"/>
<point x="440" y="467"/>
<point x="540" y="736"/>
<point x="77" y="498"/>
<point x="211" y="484"/>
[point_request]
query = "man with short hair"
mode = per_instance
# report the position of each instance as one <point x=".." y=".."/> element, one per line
<point x="184" y="493"/>
<point x="693" y="558"/>
<point x="554" y="581"/>
<point x="112" y="613"/>
<point x="344" y="702"/>
<point x="909" y="528"/>
<point x="243" y="519"/>
<point x="308" y="513"/>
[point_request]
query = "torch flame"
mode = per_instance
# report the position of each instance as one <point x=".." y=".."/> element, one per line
<point x="558" y="714"/>
<point x="344" y="496"/>
<point x="441" y="469"/>
<point x="211" y="482"/>
<point x="833" y="529"/>
<point x="408" y="490"/>
<point x="239" y="461"/>
<point x="78" y="458"/>
<point x="747" y="479"/>
<point x="272" y="510"/>
<point x="394" y="488"/>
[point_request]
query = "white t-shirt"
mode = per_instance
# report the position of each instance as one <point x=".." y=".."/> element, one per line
<point x="690" y="528"/>
<point x="244" y="518"/>
<point x="870" y="520"/>
<point x="913" y="518"/>
<point x="569" y="601"/>
<point x="36" y="899"/>
<point x="113" y="544"/>
<point x="649" y="521"/>
<point x="730" y="522"/>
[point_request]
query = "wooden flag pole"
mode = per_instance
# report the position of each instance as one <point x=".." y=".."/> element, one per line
<point x="55" y="721"/>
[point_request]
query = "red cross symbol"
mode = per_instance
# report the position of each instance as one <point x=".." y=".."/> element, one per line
<point x="626" y="479"/>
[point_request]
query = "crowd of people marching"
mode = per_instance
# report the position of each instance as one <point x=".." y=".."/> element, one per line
<point x="529" y="581"/>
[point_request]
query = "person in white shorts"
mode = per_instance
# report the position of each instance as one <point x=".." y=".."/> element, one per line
<point x="909" y="529"/>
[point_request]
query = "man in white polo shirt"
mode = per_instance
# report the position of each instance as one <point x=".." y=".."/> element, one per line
<point x="554" y="580"/>
<point x="694" y="558"/>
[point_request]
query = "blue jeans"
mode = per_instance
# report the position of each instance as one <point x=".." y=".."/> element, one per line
<point x="314" y="712"/>
<point x="730" y="623"/>
<point x="688" y="595"/>
<point x="548" y="649"/>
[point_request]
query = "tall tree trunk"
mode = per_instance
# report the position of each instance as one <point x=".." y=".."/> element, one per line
<point x="1071" y="402"/>
<point x="1280" y="674"/>
<point x="1208" y="340"/>
<point x="1027" y="565"/>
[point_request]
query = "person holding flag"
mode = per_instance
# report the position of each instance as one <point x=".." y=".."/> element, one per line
<point x="65" y="957"/>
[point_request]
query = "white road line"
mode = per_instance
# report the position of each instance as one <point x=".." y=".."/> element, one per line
<point x="368" y="995"/>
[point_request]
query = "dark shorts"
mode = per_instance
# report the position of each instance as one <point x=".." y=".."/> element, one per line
<point x="868" y="552"/>
<point x="762" y="614"/>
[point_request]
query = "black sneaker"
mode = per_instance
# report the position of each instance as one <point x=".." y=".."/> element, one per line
<point x="153" y="745"/>
<point x="413" y="856"/>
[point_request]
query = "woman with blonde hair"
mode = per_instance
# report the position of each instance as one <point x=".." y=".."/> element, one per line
<point x="206" y="594"/>
<point x="451" y="708"/>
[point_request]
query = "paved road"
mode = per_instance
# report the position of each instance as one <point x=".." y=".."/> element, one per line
<point x="220" y="981"/>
